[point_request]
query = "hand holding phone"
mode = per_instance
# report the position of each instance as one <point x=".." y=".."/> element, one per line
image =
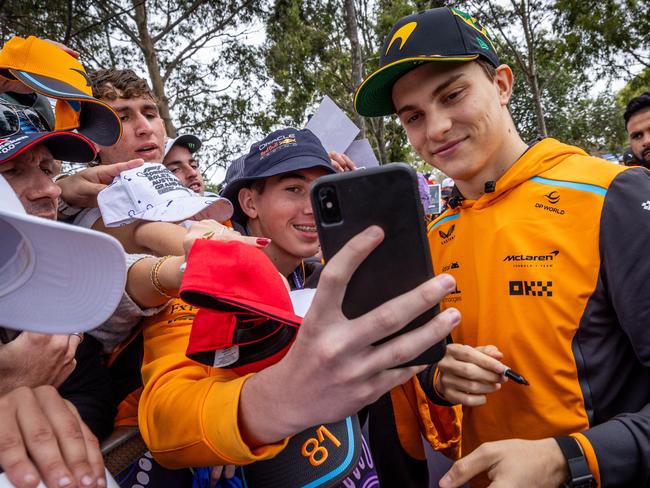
<point x="387" y="196"/>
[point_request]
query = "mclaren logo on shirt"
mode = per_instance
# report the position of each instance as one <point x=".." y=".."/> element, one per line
<point x="532" y="257"/>
<point x="532" y="260"/>
<point x="448" y="235"/>
<point x="550" y="205"/>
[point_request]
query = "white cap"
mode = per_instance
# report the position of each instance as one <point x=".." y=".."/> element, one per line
<point x="447" y="183"/>
<point x="188" y="141"/>
<point x="152" y="192"/>
<point x="55" y="277"/>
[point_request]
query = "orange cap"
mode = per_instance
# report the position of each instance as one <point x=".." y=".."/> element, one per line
<point x="49" y="70"/>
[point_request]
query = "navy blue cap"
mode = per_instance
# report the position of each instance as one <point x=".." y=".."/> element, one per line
<point x="282" y="151"/>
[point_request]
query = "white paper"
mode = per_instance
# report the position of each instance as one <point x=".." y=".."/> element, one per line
<point x="301" y="300"/>
<point x="334" y="129"/>
<point x="361" y="154"/>
<point x="5" y="483"/>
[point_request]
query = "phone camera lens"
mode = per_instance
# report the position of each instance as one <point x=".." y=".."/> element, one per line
<point x="329" y="205"/>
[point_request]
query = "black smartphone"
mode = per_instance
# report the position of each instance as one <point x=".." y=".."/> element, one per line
<point x="346" y="204"/>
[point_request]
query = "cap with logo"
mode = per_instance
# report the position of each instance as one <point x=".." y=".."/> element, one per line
<point x="49" y="70"/>
<point x="439" y="34"/>
<point x="282" y="151"/>
<point x="188" y="141"/>
<point x="51" y="279"/>
<point x="22" y="128"/>
<point x="246" y="321"/>
<point x="152" y="192"/>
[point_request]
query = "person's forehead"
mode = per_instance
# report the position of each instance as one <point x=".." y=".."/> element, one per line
<point x="307" y="175"/>
<point x="431" y="74"/>
<point x="135" y="104"/>
<point x="38" y="154"/>
<point x="639" y="121"/>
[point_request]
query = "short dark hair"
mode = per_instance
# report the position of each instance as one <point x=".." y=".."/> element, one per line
<point x="635" y="105"/>
<point x="110" y="84"/>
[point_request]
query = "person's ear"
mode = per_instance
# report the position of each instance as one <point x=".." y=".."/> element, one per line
<point x="504" y="81"/>
<point x="247" y="202"/>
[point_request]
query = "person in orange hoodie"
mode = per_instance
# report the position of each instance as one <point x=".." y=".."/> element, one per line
<point x="548" y="249"/>
<point x="331" y="371"/>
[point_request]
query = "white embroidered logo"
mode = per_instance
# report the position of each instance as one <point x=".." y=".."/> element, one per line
<point x="646" y="205"/>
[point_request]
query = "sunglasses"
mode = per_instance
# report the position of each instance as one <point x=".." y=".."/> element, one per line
<point x="18" y="118"/>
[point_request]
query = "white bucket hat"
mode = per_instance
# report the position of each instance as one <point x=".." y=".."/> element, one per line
<point x="55" y="277"/>
<point x="152" y="192"/>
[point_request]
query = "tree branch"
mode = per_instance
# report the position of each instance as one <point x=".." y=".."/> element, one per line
<point x="120" y="24"/>
<point x="169" y="27"/>
<point x="520" y="62"/>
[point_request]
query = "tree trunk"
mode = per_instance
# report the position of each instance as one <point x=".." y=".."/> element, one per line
<point x="153" y="67"/>
<point x="351" y="30"/>
<point x="378" y="131"/>
<point x="539" y="109"/>
<point x="524" y="12"/>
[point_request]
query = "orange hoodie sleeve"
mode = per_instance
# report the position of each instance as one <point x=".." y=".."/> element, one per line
<point x="188" y="412"/>
<point x="416" y="416"/>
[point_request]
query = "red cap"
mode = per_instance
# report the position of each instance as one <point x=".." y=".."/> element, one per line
<point x="246" y="321"/>
<point x="233" y="276"/>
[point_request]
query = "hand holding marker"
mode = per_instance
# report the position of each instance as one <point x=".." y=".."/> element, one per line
<point x="516" y="377"/>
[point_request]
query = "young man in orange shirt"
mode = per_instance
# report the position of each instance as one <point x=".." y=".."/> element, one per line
<point x="548" y="249"/>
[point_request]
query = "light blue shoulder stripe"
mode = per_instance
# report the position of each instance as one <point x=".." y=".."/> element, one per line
<point x="442" y="221"/>
<point x="598" y="190"/>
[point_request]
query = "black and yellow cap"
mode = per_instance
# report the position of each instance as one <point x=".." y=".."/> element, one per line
<point x="439" y="34"/>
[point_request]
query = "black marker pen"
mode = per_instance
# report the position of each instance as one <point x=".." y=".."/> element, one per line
<point x="516" y="377"/>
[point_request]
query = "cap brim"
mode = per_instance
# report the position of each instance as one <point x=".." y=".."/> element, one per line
<point x="50" y="87"/>
<point x="295" y="163"/>
<point x="179" y="209"/>
<point x="69" y="288"/>
<point x="183" y="141"/>
<point x="374" y="97"/>
<point x="66" y="146"/>
<point x="204" y="298"/>
<point x="98" y="121"/>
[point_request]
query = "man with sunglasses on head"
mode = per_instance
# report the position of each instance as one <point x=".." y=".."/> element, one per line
<point x="28" y="150"/>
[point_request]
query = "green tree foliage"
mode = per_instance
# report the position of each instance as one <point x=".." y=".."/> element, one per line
<point x="308" y="55"/>
<point x="216" y="84"/>
<point x="637" y="85"/>
<point x="194" y="52"/>
<point x="196" y="58"/>
<point x="554" y="91"/>
<point x="616" y="33"/>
